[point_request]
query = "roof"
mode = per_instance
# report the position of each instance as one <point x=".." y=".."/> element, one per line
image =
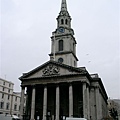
<point x="43" y="66"/>
<point x="6" y="81"/>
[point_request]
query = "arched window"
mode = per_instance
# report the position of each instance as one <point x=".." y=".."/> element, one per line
<point x="62" y="21"/>
<point x="60" y="45"/>
<point x="66" y="21"/>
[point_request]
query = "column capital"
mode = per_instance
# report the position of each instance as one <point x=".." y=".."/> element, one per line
<point x="92" y="87"/>
<point x="70" y="83"/>
<point x="45" y="85"/>
<point x="87" y="86"/>
<point x="22" y="86"/>
<point x="96" y="87"/>
<point x="57" y="84"/>
<point x="33" y="85"/>
<point x="84" y="83"/>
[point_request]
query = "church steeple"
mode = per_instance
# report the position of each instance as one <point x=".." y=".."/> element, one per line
<point x="63" y="41"/>
<point x="64" y="19"/>
<point x="63" y="5"/>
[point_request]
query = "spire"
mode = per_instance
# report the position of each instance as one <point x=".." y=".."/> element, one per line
<point x="64" y="19"/>
<point x="63" y="5"/>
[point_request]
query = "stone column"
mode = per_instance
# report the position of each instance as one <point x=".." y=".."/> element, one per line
<point x="70" y="100"/>
<point x="92" y="104"/>
<point x="98" y="104"/>
<point x="84" y="101"/>
<point x="57" y="102"/>
<point x="26" y="105"/>
<point x="22" y="102"/>
<point x="33" y="104"/>
<point x="88" y="103"/>
<point x="45" y="103"/>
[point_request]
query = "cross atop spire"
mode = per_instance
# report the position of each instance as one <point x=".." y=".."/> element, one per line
<point x="63" y="5"/>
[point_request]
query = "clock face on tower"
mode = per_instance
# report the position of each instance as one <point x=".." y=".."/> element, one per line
<point x="61" y="29"/>
<point x="60" y="60"/>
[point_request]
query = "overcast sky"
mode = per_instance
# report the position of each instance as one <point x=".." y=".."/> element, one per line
<point x="27" y="25"/>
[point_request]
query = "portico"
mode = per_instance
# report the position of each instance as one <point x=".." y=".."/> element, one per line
<point x="57" y="100"/>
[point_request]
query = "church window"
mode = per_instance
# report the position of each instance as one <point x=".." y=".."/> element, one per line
<point x="61" y="45"/>
<point x="62" y="21"/>
<point x="66" y="21"/>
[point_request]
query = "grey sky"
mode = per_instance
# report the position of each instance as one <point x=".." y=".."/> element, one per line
<point x="27" y="25"/>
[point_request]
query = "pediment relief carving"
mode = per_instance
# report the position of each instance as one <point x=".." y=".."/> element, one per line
<point x="51" y="70"/>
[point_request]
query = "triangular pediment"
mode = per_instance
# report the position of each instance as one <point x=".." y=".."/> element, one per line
<point x="52" y="68"/>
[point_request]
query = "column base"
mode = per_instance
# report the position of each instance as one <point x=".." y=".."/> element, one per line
<point x="32" y="119"/>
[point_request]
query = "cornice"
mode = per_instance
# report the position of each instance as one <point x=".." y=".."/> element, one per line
<point x="78" y="70"/>
<point x="64" y="52"/>
<point x="63" y="35"/>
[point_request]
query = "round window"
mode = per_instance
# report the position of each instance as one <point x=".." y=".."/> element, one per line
<point x="60" y="60"/>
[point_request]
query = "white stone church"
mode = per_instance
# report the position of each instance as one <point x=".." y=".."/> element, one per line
<point x="59" y="88"/>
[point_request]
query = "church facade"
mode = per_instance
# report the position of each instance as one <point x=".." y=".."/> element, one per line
<point x="59" y="88"/>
